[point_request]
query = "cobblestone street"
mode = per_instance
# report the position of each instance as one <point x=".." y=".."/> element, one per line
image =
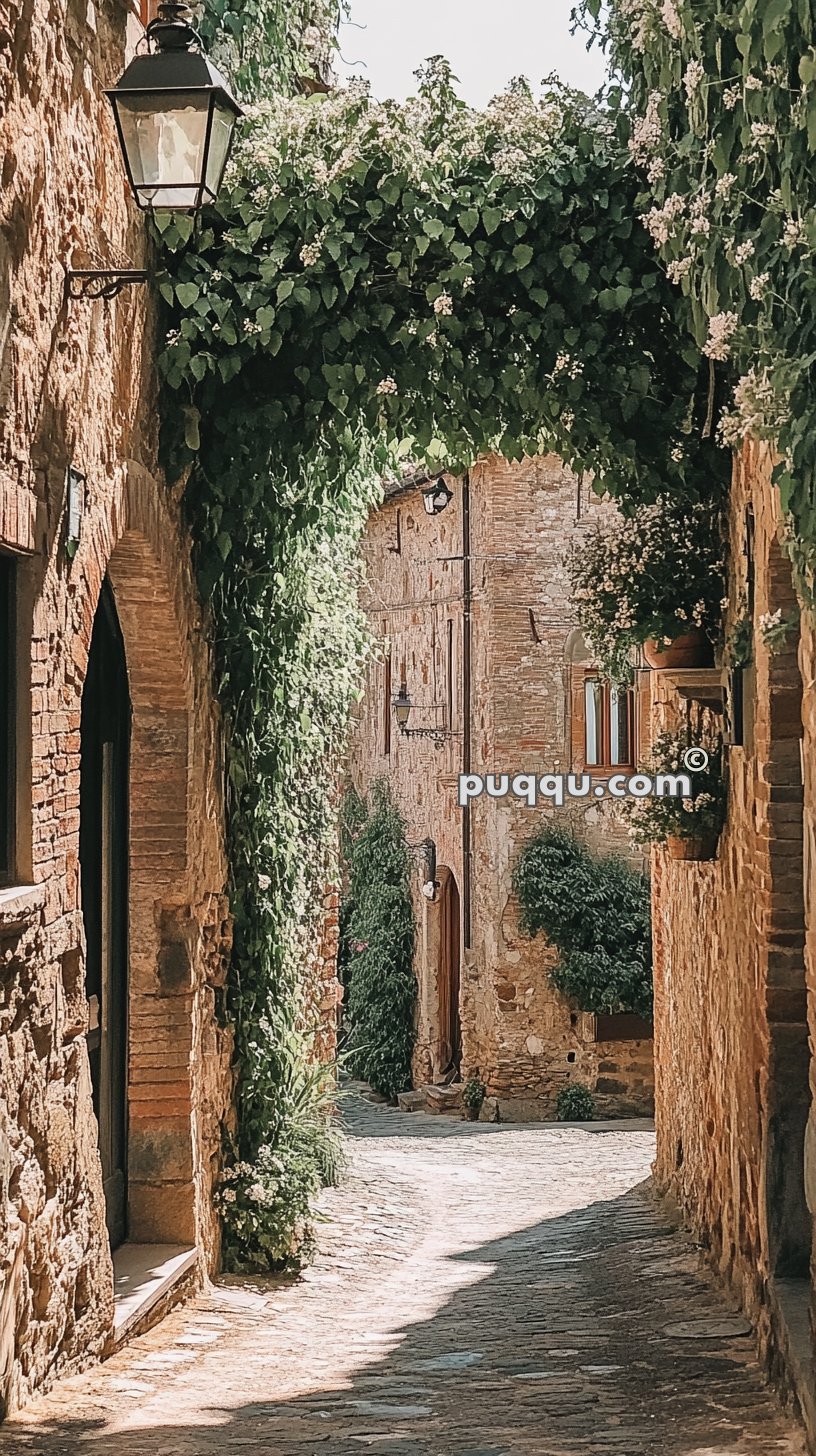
<point x="480" y="1290"/>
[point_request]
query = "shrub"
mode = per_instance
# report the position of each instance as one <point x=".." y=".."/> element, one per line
<point x="596" y="912"/>
<point x="474" y="1092"/>
<point x="378" y="948"/>
<point x="575" y="1103"/>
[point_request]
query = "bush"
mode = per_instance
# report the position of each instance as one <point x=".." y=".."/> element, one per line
<point x="596" y="912"/>
<point x="575" y="1104"/>
<point x="378" y="946"/>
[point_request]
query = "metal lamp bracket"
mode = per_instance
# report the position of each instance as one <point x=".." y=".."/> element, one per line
<point x="89" y="283"/>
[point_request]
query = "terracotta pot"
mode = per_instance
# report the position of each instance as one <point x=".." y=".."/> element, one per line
<point x="701" y="847"/>
<point x="693" y="649"/>
<point x="471" y="1114"/>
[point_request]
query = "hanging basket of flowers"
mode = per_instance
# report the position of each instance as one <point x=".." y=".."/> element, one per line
<point x="686" y="811"/>
<point x="652" y="580"/>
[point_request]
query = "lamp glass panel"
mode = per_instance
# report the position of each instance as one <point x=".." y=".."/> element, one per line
<point x="223" y="125"/>
<point x="165" y="138"/>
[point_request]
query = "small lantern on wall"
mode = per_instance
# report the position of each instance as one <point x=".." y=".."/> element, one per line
<point x="402" y="707"/>
<point x="437" y="497"/>
<point x="175" y="117"/>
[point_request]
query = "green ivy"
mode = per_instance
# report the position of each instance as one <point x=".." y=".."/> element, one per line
<point x="596" y="912"/>
<point x="378" y="943"/>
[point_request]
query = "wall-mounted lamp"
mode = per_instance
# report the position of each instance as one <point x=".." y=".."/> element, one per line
<point x="403" y="708"/>
<point x="175" y="118"/>
<point x="75" y="503"/>
<point x="437" y="497"/>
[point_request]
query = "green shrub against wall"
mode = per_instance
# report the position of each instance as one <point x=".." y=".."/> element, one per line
<point x="596" y="911"/>
<point x="378" y="944"/>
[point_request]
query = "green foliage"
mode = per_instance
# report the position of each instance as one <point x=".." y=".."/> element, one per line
<point x="267" y="45"/>
<point x="723" y="113"/>
<point x="596" y="912"/>
<point x="474" y="1092"/>
<point x="575" y="1103"/>
<point x="266" y="1204"/>
<point x="379" y="947"/>
<point x="475" y="280"/>
<point x="289" y="640"/>
<point x="659" y="817"/>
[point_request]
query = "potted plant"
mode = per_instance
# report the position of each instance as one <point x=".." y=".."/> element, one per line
<point x="473" y="1096"/>
<point x="689" y="827"/>
<point x="653" y="579"/>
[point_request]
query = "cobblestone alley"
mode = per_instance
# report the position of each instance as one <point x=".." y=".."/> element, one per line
<point x="480" y="1290"/>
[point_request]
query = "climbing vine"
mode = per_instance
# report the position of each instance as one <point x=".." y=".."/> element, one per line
<point x="380" y="282"/>
<point x="722" y="101"/>
<point x="378" y="943"/>
<point x="596" y="911"/>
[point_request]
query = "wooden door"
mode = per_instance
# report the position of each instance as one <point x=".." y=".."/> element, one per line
<point x="103" y="853"/>
<point x="450" y="1026"/>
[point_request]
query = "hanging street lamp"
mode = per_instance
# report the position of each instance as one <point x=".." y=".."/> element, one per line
<point x="437" y="497"/>
<point x="175" y="118"/>
<point x="402" y="707"/>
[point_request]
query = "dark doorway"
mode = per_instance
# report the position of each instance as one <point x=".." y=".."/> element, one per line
<point x="103" y="855"/>
<point x="450" y="1025"/>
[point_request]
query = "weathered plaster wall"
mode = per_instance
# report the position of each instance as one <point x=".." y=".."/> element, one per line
<point x="523" y="1037"/>
<point x="77" y="386"/>
<point x="731" y="1030"/>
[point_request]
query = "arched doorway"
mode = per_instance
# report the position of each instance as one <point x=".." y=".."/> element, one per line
<point x="103" y="856"/>
<point x="450" y="1025"/>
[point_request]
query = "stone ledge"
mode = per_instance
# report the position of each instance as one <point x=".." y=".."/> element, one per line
<point x="19" y="904"/>
<point x="144" y="1276"/>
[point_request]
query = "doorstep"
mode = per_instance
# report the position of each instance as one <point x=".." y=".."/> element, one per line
<point x="790" y="1320"/>
<point x="143" y="1276"/>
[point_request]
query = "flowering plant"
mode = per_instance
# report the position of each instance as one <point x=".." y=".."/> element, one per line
<point x="654" y="575"/>
<point x="776" y="627"/>
<point x="655" y="819"/>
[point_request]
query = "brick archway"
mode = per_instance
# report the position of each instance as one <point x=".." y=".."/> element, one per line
<point x="176" y="908"/>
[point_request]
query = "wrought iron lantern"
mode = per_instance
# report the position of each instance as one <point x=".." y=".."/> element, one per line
<point x="437" y="497"/>
<point x="402" y="707"/>
<point x="175" y="118"/>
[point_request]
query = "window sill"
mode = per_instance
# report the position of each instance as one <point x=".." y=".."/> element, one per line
<point x="19" y="904"/>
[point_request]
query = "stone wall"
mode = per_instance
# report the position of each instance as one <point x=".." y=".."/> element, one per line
<point x="731" y="990"/>
<point x="522" y="1036"/>
<point x="77" y="387"/>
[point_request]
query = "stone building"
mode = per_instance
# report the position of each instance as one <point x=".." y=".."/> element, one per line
<point x="114" y="934"/>
<point x="472" y="608"/>
<point x="735" y="957"/>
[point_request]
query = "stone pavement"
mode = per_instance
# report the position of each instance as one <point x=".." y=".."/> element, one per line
<point x="481" y="1290"/>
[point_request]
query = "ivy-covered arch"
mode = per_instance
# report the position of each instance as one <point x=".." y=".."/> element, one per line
<point x="383" y="282"/>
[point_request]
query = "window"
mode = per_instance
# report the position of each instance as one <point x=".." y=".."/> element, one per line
<point x="7" y="627"/>
<point x="608" y="724"/>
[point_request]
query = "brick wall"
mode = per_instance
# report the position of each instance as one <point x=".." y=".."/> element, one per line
<point x="77" y="386"/>
<point x="731" y="986"/>
<point x="523" y="1037"/>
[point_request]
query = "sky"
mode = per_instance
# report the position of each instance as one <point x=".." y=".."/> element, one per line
<point x="487" y="42"/>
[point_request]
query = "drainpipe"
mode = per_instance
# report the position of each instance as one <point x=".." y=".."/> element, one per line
<point x="467" y="630"/>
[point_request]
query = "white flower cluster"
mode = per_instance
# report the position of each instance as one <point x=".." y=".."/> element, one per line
<point x="443" y="305"/>
<point x="693" y="78"/>
<point x="679" y="268"/>
<point x="721" y="330"/>
<point x="387" y="386"/>
<point x="660" y="222"/>
<point x="569" y="365"/>
<point x="647" y="131"/>
<point x="671" y="19"/>
<point x="758" y="286"/>
<point x="757" y="410"/>
<point x="743" y="252"/>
